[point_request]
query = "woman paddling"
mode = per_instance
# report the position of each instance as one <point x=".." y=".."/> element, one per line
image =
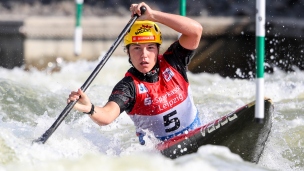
<point x="155" y="91"/>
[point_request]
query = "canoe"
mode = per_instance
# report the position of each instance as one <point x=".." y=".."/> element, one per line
<point x="237" y="130"/>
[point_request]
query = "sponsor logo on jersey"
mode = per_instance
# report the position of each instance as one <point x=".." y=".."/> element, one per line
<point x="148" y="101"/>
<point x="168" y="74"/>
<point x="142" y="88"/>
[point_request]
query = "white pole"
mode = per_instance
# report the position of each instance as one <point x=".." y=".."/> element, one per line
<point x="78" y="28"/>
<point x="260" y="51"/>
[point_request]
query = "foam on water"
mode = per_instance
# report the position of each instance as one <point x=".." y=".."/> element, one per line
<point x="30" y="102"/>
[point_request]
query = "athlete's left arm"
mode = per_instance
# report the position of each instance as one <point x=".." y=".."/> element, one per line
<point x="190" y="29"/>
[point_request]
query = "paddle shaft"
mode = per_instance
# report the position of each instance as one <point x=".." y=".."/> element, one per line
<point x="87" y="83"/>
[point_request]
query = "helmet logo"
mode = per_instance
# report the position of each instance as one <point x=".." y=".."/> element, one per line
<point x="143" y="38"/>
<point x="143" y="28"/>
<point x="143" y="32"/>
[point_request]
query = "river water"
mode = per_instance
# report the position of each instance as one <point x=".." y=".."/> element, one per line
<point x="30" y="102"/>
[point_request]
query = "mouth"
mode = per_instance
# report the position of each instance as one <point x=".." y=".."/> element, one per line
<point x="144" y="63"/>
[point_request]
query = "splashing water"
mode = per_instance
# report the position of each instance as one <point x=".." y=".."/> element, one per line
<point x="32" y="100"/>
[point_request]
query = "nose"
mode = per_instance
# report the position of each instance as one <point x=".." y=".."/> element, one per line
<point x="144" y="52"/>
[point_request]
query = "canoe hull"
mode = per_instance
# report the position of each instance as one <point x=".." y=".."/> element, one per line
<point x="237" y="130"/>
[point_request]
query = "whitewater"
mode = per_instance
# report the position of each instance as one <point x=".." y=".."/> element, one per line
<point x="30" y="102"/>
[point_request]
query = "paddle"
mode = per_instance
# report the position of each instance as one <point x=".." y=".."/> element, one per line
<point x="105" y="58"/>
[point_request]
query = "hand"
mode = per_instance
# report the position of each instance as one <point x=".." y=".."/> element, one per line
<point x="135" y="9"/>
<point x="83" y="104"/>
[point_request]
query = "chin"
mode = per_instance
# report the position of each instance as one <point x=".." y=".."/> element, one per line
<point x="144" y="70"/>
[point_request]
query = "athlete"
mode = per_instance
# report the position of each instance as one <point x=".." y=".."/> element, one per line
<point x="155" y="91"/>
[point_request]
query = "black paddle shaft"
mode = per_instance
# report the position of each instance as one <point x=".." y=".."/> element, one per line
<point x="87" y="83"/>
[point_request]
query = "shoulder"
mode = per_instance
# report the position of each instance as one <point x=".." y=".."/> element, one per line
<point x="176" y="53"/>
<point x="124" y="94"/>
<point x="179" y="57"/>
<point x="125" y="82"/>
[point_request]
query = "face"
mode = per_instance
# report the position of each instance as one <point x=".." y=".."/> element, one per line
<point x="143" y="56"/>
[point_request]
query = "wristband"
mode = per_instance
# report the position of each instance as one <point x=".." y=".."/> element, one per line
<point x="91" y="111"/>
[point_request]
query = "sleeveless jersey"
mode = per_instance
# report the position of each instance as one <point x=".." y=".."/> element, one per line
<point x="165" y="107"/>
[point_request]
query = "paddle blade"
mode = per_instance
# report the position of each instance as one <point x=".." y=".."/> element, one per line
<point x="44" y="137"/>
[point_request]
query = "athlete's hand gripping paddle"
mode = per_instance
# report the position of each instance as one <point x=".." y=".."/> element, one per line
<point x="87" y="83"/>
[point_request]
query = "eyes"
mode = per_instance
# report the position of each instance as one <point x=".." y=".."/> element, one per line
<point x="136" y="47"/>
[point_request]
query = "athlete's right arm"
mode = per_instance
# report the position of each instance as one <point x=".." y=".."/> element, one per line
<point x="101" y="115"/>
<point x="106" y="114"/>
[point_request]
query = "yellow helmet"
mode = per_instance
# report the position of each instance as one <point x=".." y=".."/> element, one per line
<point x="143" y="32"/>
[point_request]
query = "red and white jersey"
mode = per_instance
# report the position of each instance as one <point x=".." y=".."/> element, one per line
<point x="165" y="107"/>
